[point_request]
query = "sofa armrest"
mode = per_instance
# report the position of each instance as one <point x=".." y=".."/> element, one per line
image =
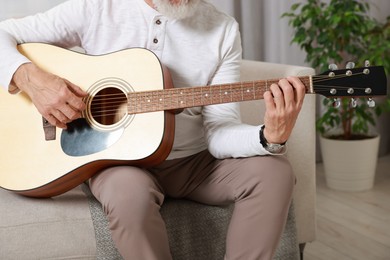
<point x="301" y="145"/>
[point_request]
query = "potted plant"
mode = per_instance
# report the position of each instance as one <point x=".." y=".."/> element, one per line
<point x="338" y="31"/>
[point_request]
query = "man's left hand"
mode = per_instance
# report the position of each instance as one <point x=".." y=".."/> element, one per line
<point x="283" y="102"/>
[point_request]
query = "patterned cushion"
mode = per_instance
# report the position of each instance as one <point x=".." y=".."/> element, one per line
<point x="196" y="231"/>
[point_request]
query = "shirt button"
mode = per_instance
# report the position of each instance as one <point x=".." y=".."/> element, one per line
<point x="158" y="22"/>
<point x="155" y="41"/>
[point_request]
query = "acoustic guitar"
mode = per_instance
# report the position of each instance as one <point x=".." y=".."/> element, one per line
<point x="128" y="119"/>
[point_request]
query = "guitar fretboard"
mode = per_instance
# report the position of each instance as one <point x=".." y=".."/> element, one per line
<point x="179" y="98"/>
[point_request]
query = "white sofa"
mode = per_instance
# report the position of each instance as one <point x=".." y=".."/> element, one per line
<point x="72" y="226"/>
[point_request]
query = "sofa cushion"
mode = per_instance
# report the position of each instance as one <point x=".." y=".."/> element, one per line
<point x="59" y="227"/>
<point x="73" y="226"/>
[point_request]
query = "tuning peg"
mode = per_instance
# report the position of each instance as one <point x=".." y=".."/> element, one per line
<point x="353" y="103"/>
<point x="350" y="65"/>
<point x="368" y="90"/>
<point x="367" y="63"/>
<point x="333" y="66"/>
<point x="371" y="103"/>
<point x="336" y="103"/>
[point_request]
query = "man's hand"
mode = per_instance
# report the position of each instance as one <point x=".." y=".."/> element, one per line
<point x="283" y="103"/>
<point x="58" y="100"/>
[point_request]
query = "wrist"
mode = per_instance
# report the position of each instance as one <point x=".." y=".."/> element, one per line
<point x="271" y="137"/>
<point x="275" y="148"/>
<point x="21" y="76"/>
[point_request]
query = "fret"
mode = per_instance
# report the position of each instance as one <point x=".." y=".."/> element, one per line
<point x="231" y="93"/>
<point x="148" y="104"/>
<point x="242" y="92"/>
<point x="225" y="94"/>
<point x="192" y="97"/>
<point x="254" y="89"/>
<point x="161" y="100"/>
<point x="215" y="94"/>
<point x="130" y="103"/>
<point x="182" y="98"/>
<point x="236" y="92"/>
<point x="210" y="97"/>
<point x="176" y="98"/>
<point x="220" y="93"/>
<point x="247" y="91"/>
<point x="197" y="93"/>
<point x="138" y="106"/>
<point x="259" y="89"/>
<point x="167" y="96"/>
<point x="206" y="96"/>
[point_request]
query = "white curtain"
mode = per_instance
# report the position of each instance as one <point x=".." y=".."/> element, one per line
<point x="20" y="8"/>
<point x="266" y="36"/>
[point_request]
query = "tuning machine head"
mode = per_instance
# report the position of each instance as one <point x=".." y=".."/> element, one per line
<point x="353" y="103"/>
<point x="332" y="67"/>
<point x="371" y="103"/>
<point x="336" y="103"/>
<point x="350" y="65"/>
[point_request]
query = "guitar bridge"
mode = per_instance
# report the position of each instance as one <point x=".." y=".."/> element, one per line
<point x="49" y="130"/>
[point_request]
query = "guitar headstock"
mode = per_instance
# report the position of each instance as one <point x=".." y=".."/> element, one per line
<point x="369" y="81"/>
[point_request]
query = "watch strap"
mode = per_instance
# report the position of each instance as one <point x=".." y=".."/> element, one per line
<point x="270" y="147"/>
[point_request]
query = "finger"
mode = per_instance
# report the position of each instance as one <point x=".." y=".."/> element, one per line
<point x="269" y="100"/>
<point x="76" y="99"/>
<point x="70" y="113"/>
<point x="53" y="121"/>
<point x="300" y="89"/>
<point x="288" y="92"/>
<point x="60" y="117"/>
<point x="277" y="96"/>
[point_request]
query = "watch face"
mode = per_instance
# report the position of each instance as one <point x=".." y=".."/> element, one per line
<point x="274" y="148"/>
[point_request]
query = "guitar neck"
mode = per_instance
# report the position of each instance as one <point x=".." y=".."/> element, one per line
<point x="179" y="98"/>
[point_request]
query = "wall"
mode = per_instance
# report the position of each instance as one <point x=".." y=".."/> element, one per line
<point x="19" y="8"/>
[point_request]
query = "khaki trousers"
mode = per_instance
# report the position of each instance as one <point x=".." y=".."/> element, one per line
<point x="261" y="188"/>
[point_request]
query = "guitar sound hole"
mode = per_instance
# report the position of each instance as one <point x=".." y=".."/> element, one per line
<point x="109" y="106"/>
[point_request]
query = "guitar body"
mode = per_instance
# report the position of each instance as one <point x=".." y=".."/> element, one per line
<point x="36" y="167"/>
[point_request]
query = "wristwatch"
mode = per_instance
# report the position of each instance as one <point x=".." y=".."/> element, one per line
<point x="272" y="148"/>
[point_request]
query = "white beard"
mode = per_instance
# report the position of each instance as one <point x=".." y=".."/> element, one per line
<point x="185" y="9"/>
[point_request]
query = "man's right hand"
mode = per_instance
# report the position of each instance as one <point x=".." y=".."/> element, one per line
<point x="58" y="100"/>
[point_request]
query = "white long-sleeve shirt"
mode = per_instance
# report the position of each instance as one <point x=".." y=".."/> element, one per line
<point x="201" y="50"/>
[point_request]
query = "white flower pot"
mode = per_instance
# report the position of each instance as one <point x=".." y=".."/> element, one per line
<point x="350" y="165"/>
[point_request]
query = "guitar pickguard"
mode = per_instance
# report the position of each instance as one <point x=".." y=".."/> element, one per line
<point x="80" y="139"/>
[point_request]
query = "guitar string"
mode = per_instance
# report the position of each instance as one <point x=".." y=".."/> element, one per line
<point x="317" y="78"/>
<point x="111" y="101"/>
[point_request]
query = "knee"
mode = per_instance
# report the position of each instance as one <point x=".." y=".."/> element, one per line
<point x="280" y="171"/>
<point x="272" y="174"/>
<point x="126" y="193"/>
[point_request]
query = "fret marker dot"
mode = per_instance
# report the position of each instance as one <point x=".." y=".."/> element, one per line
<point x="226" y="93"/>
